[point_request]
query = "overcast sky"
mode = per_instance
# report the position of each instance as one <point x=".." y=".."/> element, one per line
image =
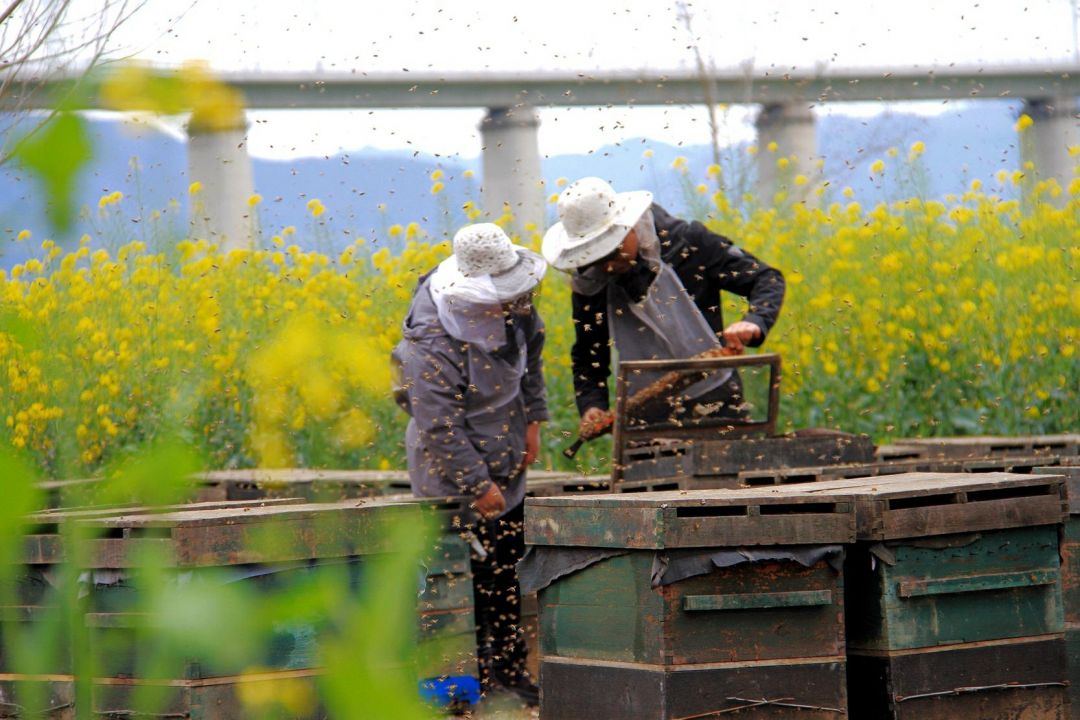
<point x="588" y="35"/>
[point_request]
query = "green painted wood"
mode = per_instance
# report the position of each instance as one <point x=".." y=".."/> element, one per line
<point x="603" y="611"/>
<point x="447" y="656"/>
<point x="451" y="554"/>
<point x="881" y="616"/>
<point x="446" y="592"/>
<point x="805" y="598"/>
<point x="610" y="611"/>
<point x="977" y="583"/>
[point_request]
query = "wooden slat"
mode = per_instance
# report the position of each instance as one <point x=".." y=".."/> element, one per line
<point x="227" y="536"/>
<point x="730" y="457"/>
<point x="985" y="445"/>
<point x="977" y="583"/>
<point x="757" y="601"/>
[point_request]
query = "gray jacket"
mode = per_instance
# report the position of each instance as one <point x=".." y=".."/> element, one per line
<point x="469" y="407"/>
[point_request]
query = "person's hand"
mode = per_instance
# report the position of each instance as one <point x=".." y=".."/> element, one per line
<point x="737" y="334"/>
<point x="589" y="419"/>
<point x="532" y="443"/>
<point x="491" y="503"/>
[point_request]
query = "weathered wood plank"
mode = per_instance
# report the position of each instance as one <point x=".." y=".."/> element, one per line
<point x="224" y="536"/>
<point x="795" y="690"/>
<point x="1006" y="679"/>
<point x="706" y="518"/>
<point x="984" y="445"/>
<point x="729" y="457"/>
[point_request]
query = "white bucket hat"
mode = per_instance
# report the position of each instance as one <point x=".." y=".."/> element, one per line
<point x="594" y="219"/>
<point x="487" y="267"/>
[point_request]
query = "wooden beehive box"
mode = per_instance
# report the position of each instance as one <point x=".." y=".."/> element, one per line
<point x="696" y="518"/>
<point x="989" y="445"/>
<point x="707" y="642"/>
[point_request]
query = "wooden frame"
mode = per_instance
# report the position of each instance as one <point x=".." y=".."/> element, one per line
<point x="622" y="435"/>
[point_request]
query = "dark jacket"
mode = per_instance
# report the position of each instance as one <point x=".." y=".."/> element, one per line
<point x="706" y="263"/>
<point x="459" y="437"/>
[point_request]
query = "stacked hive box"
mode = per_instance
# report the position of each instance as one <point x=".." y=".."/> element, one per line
<point x="954" y="596"/>
<point x="1070" y="575"/>
<point x="223" y="538"/>
<point x="686" y="604"/>
<point x="447" y="658"/>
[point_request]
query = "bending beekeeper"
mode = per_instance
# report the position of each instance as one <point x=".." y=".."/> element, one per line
<point x="650" y="284"/>
<point x="473" y="384"/>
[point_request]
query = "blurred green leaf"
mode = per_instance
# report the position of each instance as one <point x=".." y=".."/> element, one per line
<point x="55" y="153"/>
<point x="158" y="474"/>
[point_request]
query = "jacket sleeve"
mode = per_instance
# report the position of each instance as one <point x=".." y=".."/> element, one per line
<point x="735" y="270"/>
<point x="532" y="384"/>
<point x="436" y="386"/>
<point x="591" y="353"/>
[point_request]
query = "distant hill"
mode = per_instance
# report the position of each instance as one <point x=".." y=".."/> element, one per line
<point x="369" y="190"/>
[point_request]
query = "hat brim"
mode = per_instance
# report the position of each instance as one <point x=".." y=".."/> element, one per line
<point x="523" y="277"/>
<point x="568" y="252"/>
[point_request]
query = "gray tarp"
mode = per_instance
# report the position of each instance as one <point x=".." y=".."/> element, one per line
<point x="543" y="564"/>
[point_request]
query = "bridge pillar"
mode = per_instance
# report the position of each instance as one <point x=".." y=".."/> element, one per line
<point x="791" y="127"/>
<point x="511" y="165"/>
<point x="218" y="159"/>
<point x="1046" y="143"/>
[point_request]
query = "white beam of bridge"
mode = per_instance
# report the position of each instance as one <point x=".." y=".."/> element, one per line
<point x="318" y="90"/>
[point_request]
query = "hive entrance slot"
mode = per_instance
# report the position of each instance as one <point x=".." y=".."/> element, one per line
<point x="711" y="511"/>
<point x="798" y="509"/>
<point x="1007" y="493"/>
<point x="922" y="501"/>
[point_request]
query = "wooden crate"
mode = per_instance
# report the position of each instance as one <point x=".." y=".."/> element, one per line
<point x="218" y="536"/>
<point x="957" y="589"/>
<point x="765" y="610"/>
<point x="571" y="689"/>
<point x="987" y="445"/>
<point x="312" y="485"/>
<point x="695" y="518"/>
<point x="1024" y="679"/>
<point x="730" y="457"/>
<point x="912" y="505"/>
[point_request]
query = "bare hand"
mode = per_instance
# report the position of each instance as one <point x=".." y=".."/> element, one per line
<point x="737" y="334"/>
<point x="491" y="504"/>
<point x="532" y="443"/>
<point x="589" y="419"/>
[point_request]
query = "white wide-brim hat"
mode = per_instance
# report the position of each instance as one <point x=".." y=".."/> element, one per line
<point x="593" y="221"/>
<point x="487" y="267"/>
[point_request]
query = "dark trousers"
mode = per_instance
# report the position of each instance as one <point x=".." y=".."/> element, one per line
<point x="501" y="647"/>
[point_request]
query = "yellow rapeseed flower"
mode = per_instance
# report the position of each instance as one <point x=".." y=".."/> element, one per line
<point x="437" y="188"/>
<point x="23" y="235"/>
<point x="195" y="188"/>
<point x="315" y="207"/>
<point x="468" y="174"/>
<point x="917" y="148"/>
<point x="1023" y="123"/>
<point x="436" y="175"/>
<point x="254" y="200"/>
<point x="772" y="147"/>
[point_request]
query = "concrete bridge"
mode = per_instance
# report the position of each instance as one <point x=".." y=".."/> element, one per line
<point x="511" y="153"/>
